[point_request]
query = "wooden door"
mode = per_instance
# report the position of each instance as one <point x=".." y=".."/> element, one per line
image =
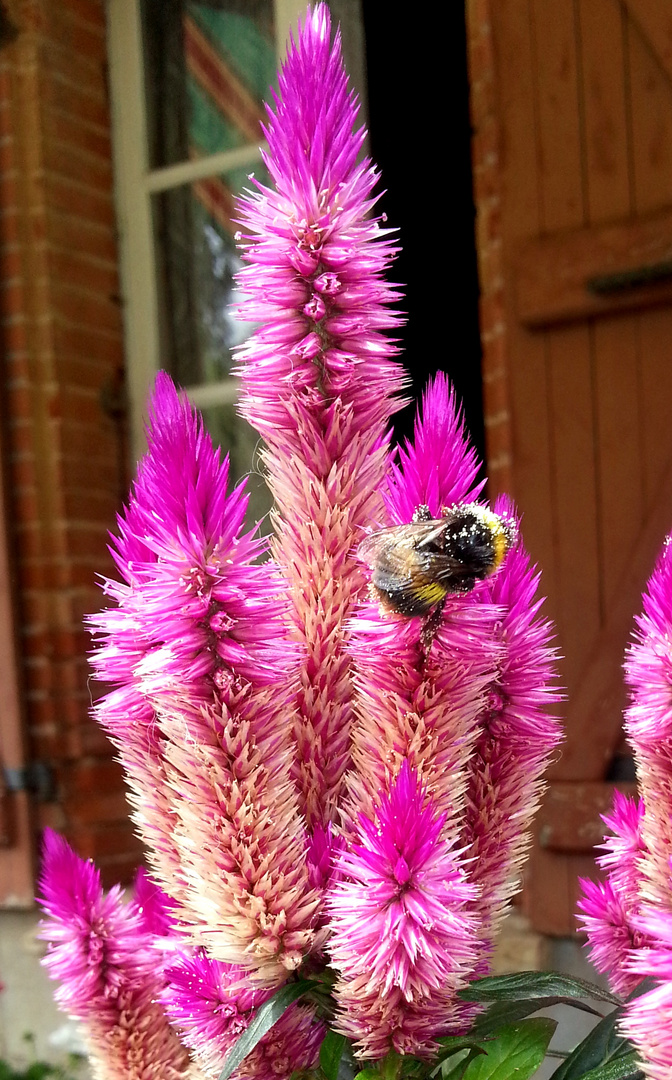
<point x="583" y="93"/>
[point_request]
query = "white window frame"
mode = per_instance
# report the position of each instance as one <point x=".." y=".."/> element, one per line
<point x="135" y="184"/>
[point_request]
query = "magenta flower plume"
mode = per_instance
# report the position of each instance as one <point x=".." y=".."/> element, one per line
<point x="401" y="939"/>
<point x="153" y="906"/>
<point x="517" y="738"/>
<point x="611" y="909"/>
<point x="409" y="705"/>
<point x="210" y="1005"/>
<point x="109" y="975"/>
<point x="648" y="725"/>
<point x="242" y="845"/>
<point x="439" y="467"/>
<point x="319" y="380"/>
<point x="648" y="1019"/>
<point x="204" y="702"/>
<point x="611" y="933"/>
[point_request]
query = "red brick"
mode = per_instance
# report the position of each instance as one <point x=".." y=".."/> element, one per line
<point x="76" y="69"/>
<point x="83" y="272"/>
<point x="69" y="135"/>
<point x="90" y="12"/>
<point x="95" y="807"/>
<point x="72" y="161"/>
<point x="75" y="308"/>
<point x="80" y="342"/>
<point x="80" y="201"/>
<point x="86" y="101"/>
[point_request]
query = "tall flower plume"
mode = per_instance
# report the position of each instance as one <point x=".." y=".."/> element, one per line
<point x="629" y="917"/>
<point x="610" y="909"/>
<point x="467" y="710"/>
<point x="401" y="937"/>
<point x="318" y="378"/>
<point x="211" y="1004"/>
<point x="517" y="737"/>
<point x="648" y="726"/>
<point x="648" y="1020"/>
<point x="196" y="646"/>
<point x="109" y="973"/>
<point x="410" y="704"/>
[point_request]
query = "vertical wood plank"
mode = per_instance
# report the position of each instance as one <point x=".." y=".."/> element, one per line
<point x="521" y="218"/>
<point x="560" y="115"/>
<point x="576" y="534"/>
<point x="619" y="426"/>
<point x="605" y="110"/>
<point x="651" y="120"/>
<point x="651" y="93"/>
<point x="655" y="334"/>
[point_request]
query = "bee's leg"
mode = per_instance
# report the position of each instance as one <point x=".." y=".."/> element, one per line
<point x="421" y="513"/>
<point x="430" y="625"/>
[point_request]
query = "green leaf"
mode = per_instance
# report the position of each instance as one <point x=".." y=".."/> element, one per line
<point x="508" y="1012"/>
<point x="452" y="1044"/>
<point x="336" y="1057"/>
<point x="533" y="984"/>
<point x="625" y="1067"/>
<point x="517" y="1051"/>
<point x="263" y="1020"/>
<point x="455" y="1067"/>
<point x="600" y="1046"/>
<point x="368" y="1074"/>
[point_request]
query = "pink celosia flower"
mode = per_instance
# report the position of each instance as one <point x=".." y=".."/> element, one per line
<point x="648" y="1019"/>
<point x="110" y="975"/>
<point x="610" y="909"/>
<point x="238" y="834"/>
<point x="470" y="712"/>
<point x="648" y="725"/>
<point x="153" y="906"/>
<point x="517" y="738"/>
<point x="400" y="936"/>
<point x="611" y="934"/>
<point x="210" y="1005"/>
<point x="318" y="380"/>
<point x="202" y="716"/>
<point x="409" y="705"/>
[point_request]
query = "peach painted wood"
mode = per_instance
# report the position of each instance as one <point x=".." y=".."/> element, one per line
<point x="584" y="99"/>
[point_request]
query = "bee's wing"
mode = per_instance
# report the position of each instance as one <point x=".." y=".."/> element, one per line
<point x="397" y="537"/>
<point x="403" y="554"/>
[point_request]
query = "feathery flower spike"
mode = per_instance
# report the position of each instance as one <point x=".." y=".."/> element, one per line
<point x="110" y="974"/>
<point x="318" y="378"/>
<point x="197" y="646"/>
<point x="648" y="1019"/>
<point x="648" y="726"/>
<point x="401" y="939"/>
<point x="517" y="739"/>
<point x="610" y="909"/>
<point x="412" y="706"/>
<point x="211" y="1004"/>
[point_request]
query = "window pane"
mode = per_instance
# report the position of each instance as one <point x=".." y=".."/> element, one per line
<point x="208" y="68"/>
<point x="197" y="260"/>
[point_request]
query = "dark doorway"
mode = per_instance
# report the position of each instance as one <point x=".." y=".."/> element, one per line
<point x="418" y="107"/>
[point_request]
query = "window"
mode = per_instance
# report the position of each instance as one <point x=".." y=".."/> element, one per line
<point x="187" y="80"/>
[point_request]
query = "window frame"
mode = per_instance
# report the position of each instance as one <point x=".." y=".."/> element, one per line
<point x="135" y="184"/>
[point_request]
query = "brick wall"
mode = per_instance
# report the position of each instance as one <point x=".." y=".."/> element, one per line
<point x="61" y="334"/>
<point x="487" y="196"/>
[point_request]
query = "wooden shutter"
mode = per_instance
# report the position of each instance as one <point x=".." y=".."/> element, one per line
<point x="584" y="118"/>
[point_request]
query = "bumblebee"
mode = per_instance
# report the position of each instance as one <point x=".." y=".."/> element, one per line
<point x="416" y="566"/>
